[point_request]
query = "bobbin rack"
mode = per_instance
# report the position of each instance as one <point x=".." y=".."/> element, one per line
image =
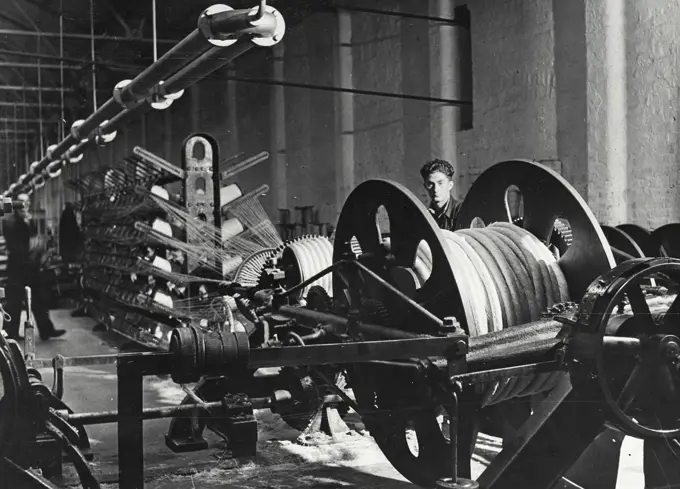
<point x="141" y="249"/>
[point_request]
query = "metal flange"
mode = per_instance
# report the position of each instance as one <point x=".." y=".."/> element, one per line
<point x="546" y="195"/>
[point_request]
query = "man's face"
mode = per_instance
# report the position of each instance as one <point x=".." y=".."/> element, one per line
<point x="25" y="204"/>
<point x="438" y="187"/>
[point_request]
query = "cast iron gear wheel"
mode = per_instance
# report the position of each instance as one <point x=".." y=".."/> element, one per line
<point x="249" y="271"/>
<point x="308" y="392"/>
<point x="561" y="237"/>
<point x="302" y="258"/>
<point x="319" y="300"/>
<point x="374" y="311"/>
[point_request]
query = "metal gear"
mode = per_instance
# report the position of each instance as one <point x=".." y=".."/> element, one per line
<point x="301" y="259"/>
<point x="249" y="271"/>
<point x="308" y="391"/>
<point x="319" y="300"/>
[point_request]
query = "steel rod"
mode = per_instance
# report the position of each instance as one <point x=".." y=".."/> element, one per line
<point x="28" y="104"/>
<point x="105" y="417"/>
<point x="356" y="91"/>
<point x="27" y="88"/>
<point x="29" y="121"/>
<point x="84" y="62"/>
<point x="10" y="64"/>
<point x="72" y="35"/>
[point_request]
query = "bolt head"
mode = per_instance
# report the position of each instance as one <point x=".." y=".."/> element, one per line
<point x="451" y="322"/>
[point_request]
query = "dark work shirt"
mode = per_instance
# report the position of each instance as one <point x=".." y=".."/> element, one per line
<point x="446" y="219"/>
<point x="18" y="235"/>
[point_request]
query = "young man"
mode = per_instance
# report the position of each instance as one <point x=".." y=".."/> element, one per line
<point x="438" y="181"/>
<point x="24" y="252"/>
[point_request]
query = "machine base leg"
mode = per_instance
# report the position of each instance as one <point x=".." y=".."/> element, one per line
<point x="449" y="483"/>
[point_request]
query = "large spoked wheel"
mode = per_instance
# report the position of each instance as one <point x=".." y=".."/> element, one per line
<point x="667" y="240"/>
<point x="639" y="378"/>
<point x="415" y="439"/>
<point x="411" y="438"/>
<point x="623" y="246"/>
<point x="642" y="237"/>
<point x="14" y="379"/>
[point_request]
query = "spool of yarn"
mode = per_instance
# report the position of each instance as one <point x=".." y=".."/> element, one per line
<point x="230" y="265"/>
<point x="231" y="228"/>
<point x="162" y="264"/>
<point x="160" y="192"/>
<point x="229" y="193"/>
<point x="162" y="227"/>
<point x="163" y="299"/>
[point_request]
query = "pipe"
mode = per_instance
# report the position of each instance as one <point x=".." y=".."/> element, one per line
<point x="209" y="61"/>
<point x="213" y="23"/>
<point x="166" y="65"/>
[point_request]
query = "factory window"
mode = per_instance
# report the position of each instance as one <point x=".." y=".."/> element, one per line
<point x="462" y="16"/>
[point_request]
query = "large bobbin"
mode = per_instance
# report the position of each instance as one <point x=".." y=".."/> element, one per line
<point x="546" y="197"/>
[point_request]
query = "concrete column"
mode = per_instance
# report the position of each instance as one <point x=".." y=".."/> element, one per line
<point x="606" y="109"/>
<point x="345" y="110"/>
<point x="445" y="83"/>
<point x="278" y="129"/>
<point x="590" y="72"/>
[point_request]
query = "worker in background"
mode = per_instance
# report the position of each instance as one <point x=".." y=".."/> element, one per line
<point x="25" y="251"/>
<point x="438" y="181"/>
<point x="70" y="236"/>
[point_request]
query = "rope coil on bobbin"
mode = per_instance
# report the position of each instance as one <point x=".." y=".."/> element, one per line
<point x="506" y="277"/>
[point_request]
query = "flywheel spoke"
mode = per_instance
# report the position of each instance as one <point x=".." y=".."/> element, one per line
<point x="638" y="303"/>
<point x="632" y="387"/>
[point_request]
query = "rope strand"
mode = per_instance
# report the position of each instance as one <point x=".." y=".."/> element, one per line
<point x="505" y="277"/>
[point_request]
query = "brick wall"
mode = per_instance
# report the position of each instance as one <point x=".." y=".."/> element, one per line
<point x="514" y="112"/>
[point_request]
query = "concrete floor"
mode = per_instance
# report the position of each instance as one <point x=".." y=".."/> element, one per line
<point x="280" y="463"/>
